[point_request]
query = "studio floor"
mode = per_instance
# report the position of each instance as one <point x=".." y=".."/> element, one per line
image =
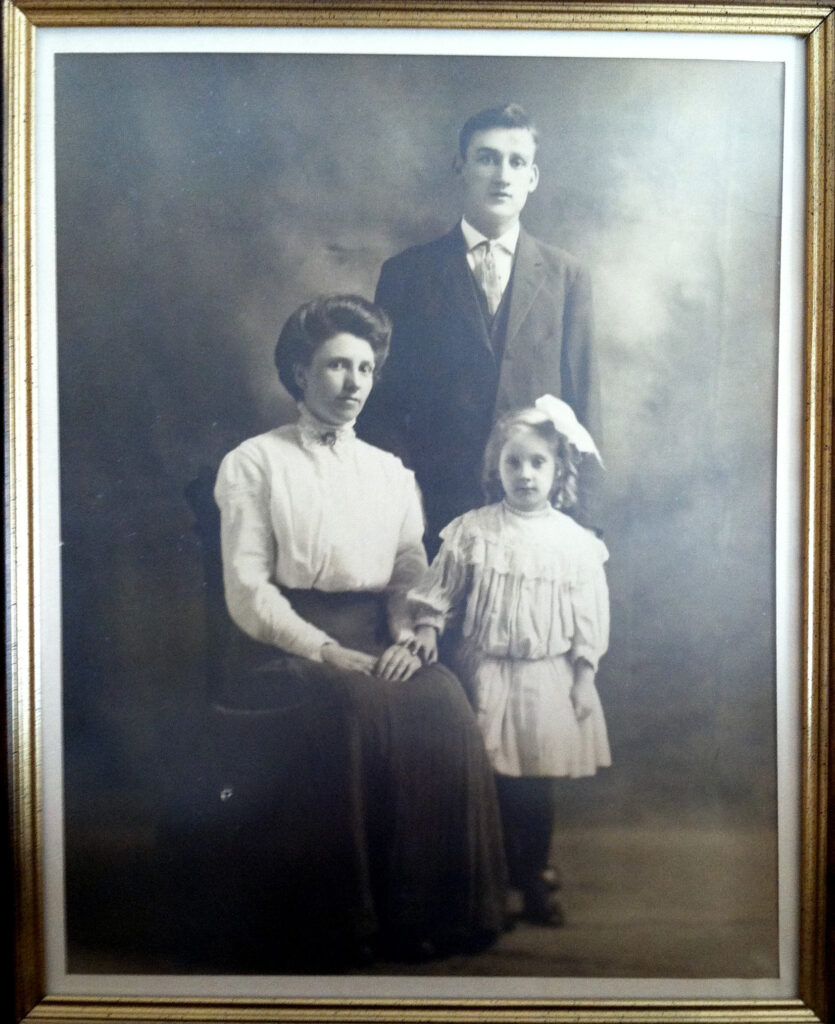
<point x="639" y="902"/>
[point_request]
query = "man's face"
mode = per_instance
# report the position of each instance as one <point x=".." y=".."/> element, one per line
<point x="497" y="176"/>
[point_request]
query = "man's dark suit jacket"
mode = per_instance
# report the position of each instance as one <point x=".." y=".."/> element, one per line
<point x="443" y="386"/>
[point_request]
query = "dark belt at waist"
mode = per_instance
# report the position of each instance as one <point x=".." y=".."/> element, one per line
<point x="353" y="618"/>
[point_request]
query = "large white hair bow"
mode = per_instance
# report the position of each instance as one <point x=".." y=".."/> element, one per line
<point x="562" y="416"/>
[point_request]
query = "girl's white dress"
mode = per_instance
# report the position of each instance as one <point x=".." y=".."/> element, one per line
<point x="527" y="593"/>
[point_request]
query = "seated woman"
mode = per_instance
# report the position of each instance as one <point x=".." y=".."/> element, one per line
<point x="321" y="539"/>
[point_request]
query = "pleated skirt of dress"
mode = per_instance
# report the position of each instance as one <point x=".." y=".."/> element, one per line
<point x="524" y="711"/>
<point x="370" y="804"/>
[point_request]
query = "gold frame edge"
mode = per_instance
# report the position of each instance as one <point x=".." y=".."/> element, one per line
<point x="816" y="22"/>
<point x="788" y="18"/>
<point x="432" y="1011"/>
<point x="23" y="703"/>
<point x="818" y="601"/>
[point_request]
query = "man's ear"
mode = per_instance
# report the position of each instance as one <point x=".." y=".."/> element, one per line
<point x="534" y="178"/>
<point x="300" y="375"/>
<point x="457" y="163"/>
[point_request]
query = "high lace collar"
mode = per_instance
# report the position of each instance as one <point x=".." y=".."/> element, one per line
<point x="537" y="513"/>
<point x="314" y="433"/>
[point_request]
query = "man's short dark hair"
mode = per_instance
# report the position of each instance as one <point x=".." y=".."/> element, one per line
<point x="511" y="115"/>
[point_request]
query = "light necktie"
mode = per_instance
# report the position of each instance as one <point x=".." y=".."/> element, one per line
<point x="487" y="276"/>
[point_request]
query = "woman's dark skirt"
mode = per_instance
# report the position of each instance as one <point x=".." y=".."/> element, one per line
<point x="359" y="811"/>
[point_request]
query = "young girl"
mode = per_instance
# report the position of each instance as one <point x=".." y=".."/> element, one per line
<point x="525" y="586"/>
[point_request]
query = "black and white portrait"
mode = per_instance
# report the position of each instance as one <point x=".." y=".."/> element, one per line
<point x="201" y="200"/>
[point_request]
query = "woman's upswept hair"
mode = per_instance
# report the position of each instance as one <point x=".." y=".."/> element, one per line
<point x="318" y="321"/>
<point x="566" y="456"/>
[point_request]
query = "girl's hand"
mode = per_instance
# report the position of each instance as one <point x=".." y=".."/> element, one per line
<point x="347" y="659"/>
<point x="397" y="663"/>
<point x="425" y="644"/>
<point x="583" y="690"/>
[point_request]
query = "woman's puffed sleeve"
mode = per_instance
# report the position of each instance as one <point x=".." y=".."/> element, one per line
<point x="248" y="549"/>
<point x="437" y="597"/>
<point x="410" y="563"/>
<point x="590" y="604"/>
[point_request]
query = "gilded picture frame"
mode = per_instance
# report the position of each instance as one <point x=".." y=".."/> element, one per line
<point x="814" y="23"/>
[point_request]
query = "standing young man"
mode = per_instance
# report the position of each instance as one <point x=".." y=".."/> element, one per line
<point x="486" y="319"/>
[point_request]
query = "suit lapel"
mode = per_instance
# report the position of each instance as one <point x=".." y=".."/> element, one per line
<point x="460" y="289"/>
<point x="528" y="275"/>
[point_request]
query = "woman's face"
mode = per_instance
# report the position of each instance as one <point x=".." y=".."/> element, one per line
<point x="338" y="380"/>
<point x="527" y="469"/>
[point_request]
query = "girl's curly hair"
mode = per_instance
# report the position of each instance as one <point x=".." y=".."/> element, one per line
<point x="566" y="456"/>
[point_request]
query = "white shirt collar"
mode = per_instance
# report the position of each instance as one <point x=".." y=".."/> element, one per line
<point x="315" y="434"/>
<point x="473" y="237"/>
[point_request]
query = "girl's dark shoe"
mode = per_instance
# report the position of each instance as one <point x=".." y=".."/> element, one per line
<point x="541" y="905"/>
<point x="550" y="877"/>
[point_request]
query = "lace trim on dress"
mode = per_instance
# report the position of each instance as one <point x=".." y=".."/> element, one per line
<point x="315" y="433"/>
<point x="483" y="541"/>
<point x="536" y="513"/>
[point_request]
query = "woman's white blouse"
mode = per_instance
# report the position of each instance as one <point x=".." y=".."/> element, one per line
<point x="303" y="514"/>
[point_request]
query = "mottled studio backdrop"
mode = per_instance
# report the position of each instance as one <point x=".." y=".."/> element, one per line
<point x="201" y="198"/>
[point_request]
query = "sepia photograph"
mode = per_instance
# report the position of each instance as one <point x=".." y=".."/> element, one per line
<point x="288" y="745"/>
<point x="419" y="453"/>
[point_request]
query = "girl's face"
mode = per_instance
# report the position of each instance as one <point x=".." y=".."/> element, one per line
<point x="338" y="380"/>
<point x="527" y="469"/>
